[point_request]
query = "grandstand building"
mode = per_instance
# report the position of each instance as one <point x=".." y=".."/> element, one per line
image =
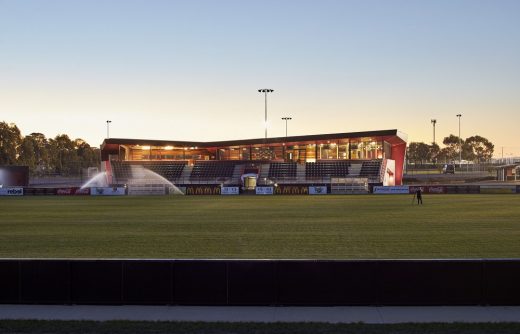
<point x="377" y="156"/>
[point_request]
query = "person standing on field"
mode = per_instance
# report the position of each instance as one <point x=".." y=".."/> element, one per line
<point x="418" y="193"/>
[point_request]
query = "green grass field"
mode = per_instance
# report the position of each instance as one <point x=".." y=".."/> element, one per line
<point x="298" y="227"/>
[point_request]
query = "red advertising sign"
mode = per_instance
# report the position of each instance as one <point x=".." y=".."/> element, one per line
<point x="72" y="191"/>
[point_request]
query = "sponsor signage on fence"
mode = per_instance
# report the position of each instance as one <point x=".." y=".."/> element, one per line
<point x="463" y="189"/>
<point x="72" y="191"/>
<point x="391" y="190"/>
<point x="318" y="190"/>
<point x="39" y="191"/>
<point x="428" y="189"/>
<point x="107" y="191"/>
<point x="229" y="191"/>
<point x="18" y="191"/>
<point x="497" y="189"/>
<point x="264" y="190"/>
<point x="207" y="189"/>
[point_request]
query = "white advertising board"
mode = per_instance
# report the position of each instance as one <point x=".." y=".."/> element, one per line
<point x="264" y="190"/>
<point x="391" y="190"/>
<point x="107" y="191"/>
<point x="318" y="190"/>
<point x="11" y="191"/>
<point x="229" y="191"/>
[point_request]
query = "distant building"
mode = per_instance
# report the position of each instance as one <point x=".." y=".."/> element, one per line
<point x="509" y="172"/>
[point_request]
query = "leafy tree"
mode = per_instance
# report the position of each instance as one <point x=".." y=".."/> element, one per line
<point x="27" y="155"/>
<point x="10" y="140"/>
<point x="445" y="155"/>
<point x="481" y="148"/>
<point x="41" y="149"/>
<point x="452" y="145"/>
<point x="418" y="152"/>
<point x="63" y="156"/>
<point x="434" y="152"/>
<point x="88" y="156"/>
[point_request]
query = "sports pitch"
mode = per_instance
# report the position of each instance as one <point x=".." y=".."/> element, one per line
<point x="254" y="227"/>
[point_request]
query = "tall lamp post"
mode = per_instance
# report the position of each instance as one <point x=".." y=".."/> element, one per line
<point x="265" y="91"/>
<point x="286" y="119"/>
<point x="460" y="143"/>
<point x="108" y="128"/>
<point x="434" y="121"/>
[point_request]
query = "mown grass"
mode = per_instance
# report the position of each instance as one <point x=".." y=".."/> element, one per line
<point x="87" y="327"/>
<point x="312" y="227"/>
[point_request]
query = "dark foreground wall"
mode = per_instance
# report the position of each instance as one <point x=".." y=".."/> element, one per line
<point x="262" y="282"/>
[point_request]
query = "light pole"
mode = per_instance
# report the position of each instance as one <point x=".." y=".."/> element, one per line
<point x="265" y="91"/>
<point x="286" y="119"/>
<point x="460" y="143"/>
<point x="434" y="121"/>
<point x="108" y="128"/>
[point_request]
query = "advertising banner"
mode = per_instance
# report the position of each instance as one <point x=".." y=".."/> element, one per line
<point x="73" y="191"/>
<point x="318" y="190"/>
<point x="11" y="191"/>
<point x="39" y="191"/>
<point x="230" y="191"/>
<point x="428" y="189"/>
<point x="208" y="189"/>
<point x="264" y="190"/>
<point x="108" y="191"/>
<point x="497" y="189"/>
<point x="463" y="189"/>
<point x="392" y="190"/>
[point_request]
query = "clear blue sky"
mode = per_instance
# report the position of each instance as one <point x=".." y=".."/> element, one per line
<point x="190" y="70"/>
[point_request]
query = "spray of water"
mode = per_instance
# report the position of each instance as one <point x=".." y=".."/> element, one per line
<point x="98" y="180"/>
<point x="139" y="175"/>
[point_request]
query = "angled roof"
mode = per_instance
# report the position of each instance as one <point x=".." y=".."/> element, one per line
<point x="397" y="138"/>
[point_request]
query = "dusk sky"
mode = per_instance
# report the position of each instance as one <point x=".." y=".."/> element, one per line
<point x="190" y="70"/>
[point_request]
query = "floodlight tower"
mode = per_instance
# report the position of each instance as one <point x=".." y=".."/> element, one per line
<point x="434" y="121"/>
<point x="460" y="143"/>
<point x="265" y="91"/>
<point x="286" y="119"/>
<point x="108" y="128"/>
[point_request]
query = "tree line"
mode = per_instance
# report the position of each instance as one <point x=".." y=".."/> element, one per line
<point x="475" y="148"/>
<point x="58" y="155"/>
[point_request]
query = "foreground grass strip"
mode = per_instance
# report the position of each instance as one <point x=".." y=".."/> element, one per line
<point x="35" y="326"/>
<point x="298" y="227"/>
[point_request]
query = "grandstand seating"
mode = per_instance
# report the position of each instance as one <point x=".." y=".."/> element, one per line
<point x="219" y="170"/>
<point x="370" y="169"/>
<point x="212" y="169"/>
<point x="326" y="169"/>
<point x="282" y="169"/>
<point x="170" y="170"/>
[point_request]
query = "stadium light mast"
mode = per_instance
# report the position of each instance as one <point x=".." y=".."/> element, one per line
<point x="286" y="119"/>
<point x="460" y="143"/>
<point x="108" y="128"/>
<point x="265" y="91"/>
<point x="434" y="121"/>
